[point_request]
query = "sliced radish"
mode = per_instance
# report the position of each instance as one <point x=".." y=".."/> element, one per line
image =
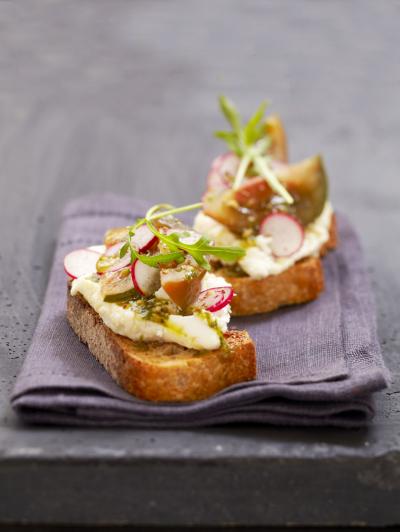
<point x="217" y="162"/>
<point x="228" y="163"/>
<point x="214" y="299"/>
<point x="120" y="263"/>
<point x="217" y="182"/>
<point x="223" y="166"/>
<point x="98" y="249"/>
<point x="286" y="232"/>
<point x="144" y="239"/>
<point x="114" y="249"/>
<point x="146" y="279"/>
<point x="80" y="262"/>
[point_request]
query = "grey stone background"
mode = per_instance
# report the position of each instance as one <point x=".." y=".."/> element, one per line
<point x="121" y="95"/>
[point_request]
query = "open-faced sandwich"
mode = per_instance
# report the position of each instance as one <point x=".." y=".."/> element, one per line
<point x="151" y="312"/>
<point x="278" y="212"/>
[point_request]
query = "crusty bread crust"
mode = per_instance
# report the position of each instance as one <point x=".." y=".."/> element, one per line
<point x="162" y="371"/>
<point x="300" y="283"/>
<point x="333" y="240"/>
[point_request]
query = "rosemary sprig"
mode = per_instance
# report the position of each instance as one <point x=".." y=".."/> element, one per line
<point x="250" y="142"/>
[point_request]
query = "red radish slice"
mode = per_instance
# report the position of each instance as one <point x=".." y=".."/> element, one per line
<point x="217" y="182"/>
<point x="221" y="167"/>
<point x="214" y="299"/>
<point x="80" y="262"/>
<point x="286" y="232"/>
<point x="114" y="249"/>
<point x="144" y="239"/>
<point x="217" y="162"/>
<point x="228" y="163"/>
<point x="120" y="263"/>
<point x="98" y="249"/>
<point x="146" y="279"/>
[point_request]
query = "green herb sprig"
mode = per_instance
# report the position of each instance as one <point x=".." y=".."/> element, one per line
<point x="198" y="250"/>
<point x="250" y="142"/>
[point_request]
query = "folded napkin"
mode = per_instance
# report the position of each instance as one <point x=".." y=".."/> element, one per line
<point x="317" y="364"/>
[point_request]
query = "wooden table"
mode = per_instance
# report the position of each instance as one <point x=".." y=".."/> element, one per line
<point x="118" y="95"/>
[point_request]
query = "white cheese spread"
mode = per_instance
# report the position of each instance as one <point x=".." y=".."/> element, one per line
<point x="259" y="261"/>
<point x="192" y="331"/>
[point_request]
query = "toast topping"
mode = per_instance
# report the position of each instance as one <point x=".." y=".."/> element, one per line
<point x="149" y="278"/>
<point x="254" y="179"/>
<point x="158" y="319"/>
<point x="257" y="200"/>
<point x="259" y="260"/>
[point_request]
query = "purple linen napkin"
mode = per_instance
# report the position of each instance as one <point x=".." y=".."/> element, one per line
<point x="317" y="364"/>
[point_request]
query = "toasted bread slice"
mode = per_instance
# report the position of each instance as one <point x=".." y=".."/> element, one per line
<point x="300" y="283"/>
<point x="162" y="371"/>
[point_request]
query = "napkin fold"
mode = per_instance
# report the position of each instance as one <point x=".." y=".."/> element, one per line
<point x="317" y="364"/>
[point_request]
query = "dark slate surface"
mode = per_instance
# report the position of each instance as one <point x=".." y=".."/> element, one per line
<point x="118" y="95"/>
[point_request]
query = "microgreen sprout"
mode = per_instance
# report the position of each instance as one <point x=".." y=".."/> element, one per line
<point x="250" y="142"/>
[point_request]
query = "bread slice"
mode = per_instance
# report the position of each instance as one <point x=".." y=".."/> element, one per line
<point x="300" y="283"/>
<point x="162" y="371"/>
